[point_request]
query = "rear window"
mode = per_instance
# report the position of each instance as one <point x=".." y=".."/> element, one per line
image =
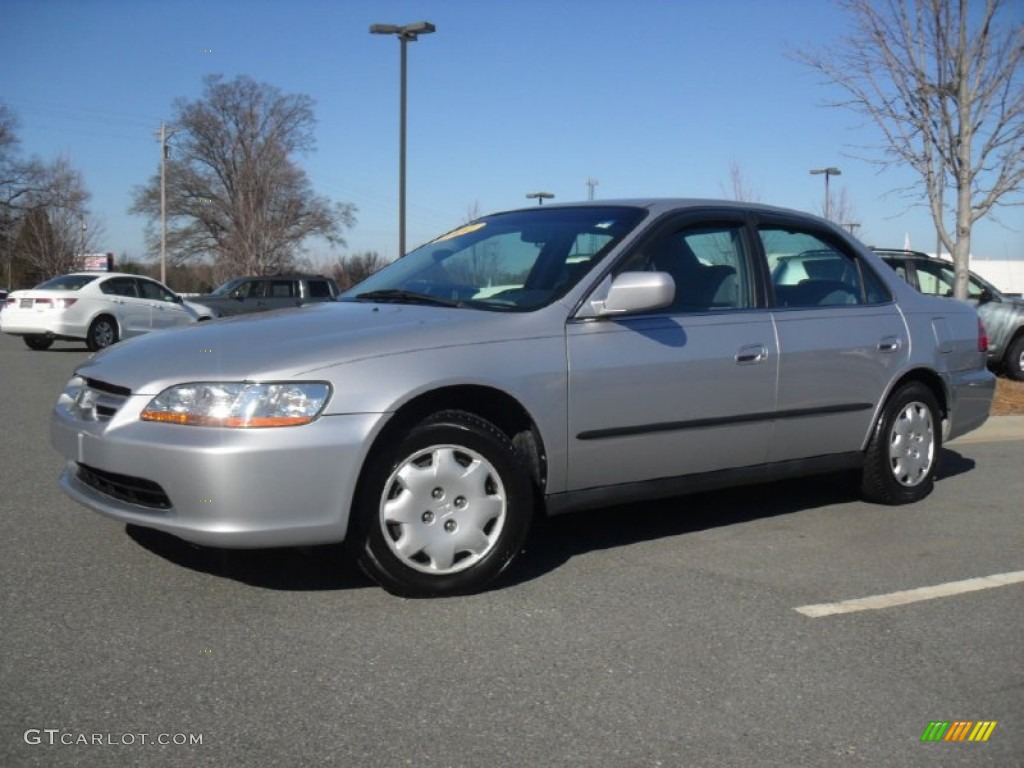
<point x="319" y="289"/>
<point x="66" y="282"/>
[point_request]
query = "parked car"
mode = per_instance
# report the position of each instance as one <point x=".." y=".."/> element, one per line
<point x="261" y="294"/>
<point x="549" y="359"/>
<point x="1003" y="315"/>
<point x="99" y="308"/>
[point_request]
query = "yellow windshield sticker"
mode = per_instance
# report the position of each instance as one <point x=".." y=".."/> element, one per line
<point x="460" y="231"/>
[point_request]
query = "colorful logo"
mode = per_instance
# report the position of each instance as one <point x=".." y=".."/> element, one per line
<point x="958" y="730"/>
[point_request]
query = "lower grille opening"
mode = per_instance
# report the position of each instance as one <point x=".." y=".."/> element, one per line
<point x="134" y="490"/>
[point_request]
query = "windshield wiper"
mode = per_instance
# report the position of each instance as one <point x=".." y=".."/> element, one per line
<point x="412" y="297"/>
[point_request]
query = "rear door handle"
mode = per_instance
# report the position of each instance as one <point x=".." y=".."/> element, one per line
<point x="751" y="354"/>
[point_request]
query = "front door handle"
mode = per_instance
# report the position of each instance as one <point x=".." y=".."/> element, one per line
<point x="889" y="344"/>
<point x="751" y="354"/>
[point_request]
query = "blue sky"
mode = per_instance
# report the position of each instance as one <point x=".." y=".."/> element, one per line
<point x="649" y="97"/>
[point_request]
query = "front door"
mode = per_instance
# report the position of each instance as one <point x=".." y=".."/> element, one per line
<point x="688" y="388"/>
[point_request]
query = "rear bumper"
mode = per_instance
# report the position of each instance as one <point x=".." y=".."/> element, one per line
<point x="27" y="323"/>
<point x="970" y="396"/>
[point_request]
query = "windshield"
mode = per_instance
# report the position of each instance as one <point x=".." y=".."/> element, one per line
<point x="67" y="282"/>
<point x="229" y="286"/>
<point x="510" y="261"/>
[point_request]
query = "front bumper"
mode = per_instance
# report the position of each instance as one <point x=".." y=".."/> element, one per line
<point x="215" y="486"/>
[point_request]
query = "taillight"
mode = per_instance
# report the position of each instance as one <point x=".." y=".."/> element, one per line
<point x="64" y="303"/>
<point x="42" y="302"/>
<point x="10" y="302"/>
<point x="982" y="337"/>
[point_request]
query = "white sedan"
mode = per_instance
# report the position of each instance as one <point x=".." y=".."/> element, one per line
<point x="99" y="308"/>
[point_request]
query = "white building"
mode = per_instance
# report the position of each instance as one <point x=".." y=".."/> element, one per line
<point x="1005" y="274"/>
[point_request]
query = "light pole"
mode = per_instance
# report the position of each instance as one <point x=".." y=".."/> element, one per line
<point x="830" y="171"/>
<point x="405" y="33"/>
<point x="540" y="197"/>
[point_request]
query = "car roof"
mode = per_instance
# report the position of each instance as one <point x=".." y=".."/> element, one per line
<point x="107" y="274"/>
<point x="663" y="204"/>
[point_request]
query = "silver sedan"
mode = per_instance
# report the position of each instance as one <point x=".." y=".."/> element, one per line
<point x="537" y="361"/>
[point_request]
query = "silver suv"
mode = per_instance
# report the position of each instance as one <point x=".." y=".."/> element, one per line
<point x="1002" y="315"/>
<point x="539" y="361"/>
<point x="243" y="295"/>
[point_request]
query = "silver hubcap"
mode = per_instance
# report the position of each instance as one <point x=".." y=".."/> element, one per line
<point x="443" y="509"/>
<point x="912" y="445"/>
<point x="103" y="334"/>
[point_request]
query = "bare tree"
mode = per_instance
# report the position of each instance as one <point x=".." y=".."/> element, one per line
<point x="234" y="190"/>
<point x="942" y="80"/>
<point x="57" y="228"/>
<point x="741" y="189"/>
<point x="841" y="208"/>
<point x="356" y="267"/>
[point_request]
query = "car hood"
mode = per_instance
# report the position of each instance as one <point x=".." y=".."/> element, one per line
<point x="295" y="342"/>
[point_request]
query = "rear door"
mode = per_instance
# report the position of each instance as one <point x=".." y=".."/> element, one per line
<point x="685" y="389"/>
<point x="280" y="293"/>
<point x="132" y="311"/>
<point x="165" y="310"/>
<point x="841" y="339"/>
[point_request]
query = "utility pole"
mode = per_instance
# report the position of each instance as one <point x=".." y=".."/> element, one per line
<point x="163" y="135"/>
<point x="591" y="183"/>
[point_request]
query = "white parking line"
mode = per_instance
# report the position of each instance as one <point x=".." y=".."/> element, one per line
<point x="875" y="602"/>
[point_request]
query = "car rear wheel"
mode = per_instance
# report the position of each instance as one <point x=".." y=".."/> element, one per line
<point x="1015" y="359"/>
<point x="445" y="510"/>
<point x="37" y="343"/>
<point x="903" y="455"/>
<point x="102" y="333"/>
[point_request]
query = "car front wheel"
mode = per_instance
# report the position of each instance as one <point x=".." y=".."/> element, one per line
<point x="37" y="343"/>
<point x="444" y="511"/>
<point x="903" y="454"/>
<point x="102" y="333"/>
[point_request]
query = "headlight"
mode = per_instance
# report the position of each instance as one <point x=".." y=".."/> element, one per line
<point x="239" y="404"/>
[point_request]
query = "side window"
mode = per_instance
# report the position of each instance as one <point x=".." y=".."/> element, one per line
<point x="120" y="286"/>
<point x="808" y="271"/>
<point x="250" y="289"/>
<point x="319" y="289"/>
<point x="934" y="279"/>
<point x="150" y="290"/>
<point x="282" y="289"/>
<point x="939" y="279"/>
<point x="708" y="265"/>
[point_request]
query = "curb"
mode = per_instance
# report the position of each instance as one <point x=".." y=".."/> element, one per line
<point x="996" y="429"/>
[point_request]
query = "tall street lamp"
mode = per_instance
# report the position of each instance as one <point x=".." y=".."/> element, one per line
<point x="830" y="171"/>
<point x="540" y="197"/>
<point x="406" y="33"/>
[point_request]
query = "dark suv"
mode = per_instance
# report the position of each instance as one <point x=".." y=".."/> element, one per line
<point x="1003" y="315"/>
<point x="260" y="294"/>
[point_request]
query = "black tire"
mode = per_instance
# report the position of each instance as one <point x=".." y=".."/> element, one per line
<point x="1015" y="359"/>
<point x="102" y="333"/>
<point x="38" y="343"/>
<point x="902" y="457"/>
<point x="462" y="528"/>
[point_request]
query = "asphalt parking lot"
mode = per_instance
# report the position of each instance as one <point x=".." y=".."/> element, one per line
<point x="652" y="635"/>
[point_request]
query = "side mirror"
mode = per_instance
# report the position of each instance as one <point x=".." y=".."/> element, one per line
<point x="632" y="292"/>
<point x="986" y="296"/>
